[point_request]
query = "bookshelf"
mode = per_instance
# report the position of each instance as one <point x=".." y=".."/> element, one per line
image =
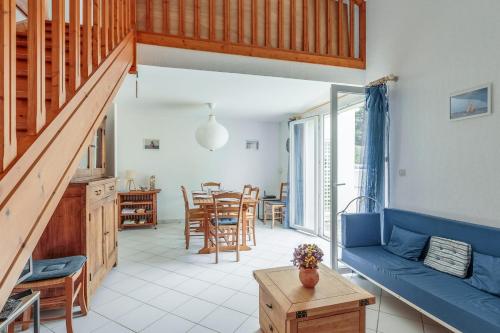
<point x="138" y="209"/>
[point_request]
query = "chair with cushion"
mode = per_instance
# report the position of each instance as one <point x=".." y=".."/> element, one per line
<point x="225" y="224"/>
<point x="275" y="209"/>
<point x="210" y="186"/>
<point x="51" y="275"/>
<point x="193" y="218"/>
<point x="247" y="189"/>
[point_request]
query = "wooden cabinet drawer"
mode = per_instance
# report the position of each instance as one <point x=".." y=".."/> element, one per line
<point x="272" y="310"/>
<point x="341" y="323"/>
<point x="109" y="188"/>
<point x="266" y="325"/>
<point x="96" y="193"/>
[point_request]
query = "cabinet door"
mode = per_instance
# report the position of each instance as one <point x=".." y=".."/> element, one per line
<point x="96" y="258"/>
<point x="110" y="231"/>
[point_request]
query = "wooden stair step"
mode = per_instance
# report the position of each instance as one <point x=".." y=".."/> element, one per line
<point x="22" y="86"/>
<point x="22" y="107"/>
<point x="22" y="74"/>
<point x="23" y="56"/>
<point x="23" y="94"/>
<point x="23" y="43"/>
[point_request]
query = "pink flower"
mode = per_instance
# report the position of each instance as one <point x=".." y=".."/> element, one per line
<point x="307" y="256"/>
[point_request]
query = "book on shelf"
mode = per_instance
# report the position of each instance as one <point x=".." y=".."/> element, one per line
<point x="128" y="211"/>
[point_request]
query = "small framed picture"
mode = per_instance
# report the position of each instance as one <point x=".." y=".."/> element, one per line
<point x="471" y="103"/>
<point x="152" y="144"/>
<point x="252" y="145"/>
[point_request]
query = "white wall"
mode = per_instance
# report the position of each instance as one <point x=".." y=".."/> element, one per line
<point x="436" y="48"/>
<point x="219" y="62"/>
<point x="181" y="161"/>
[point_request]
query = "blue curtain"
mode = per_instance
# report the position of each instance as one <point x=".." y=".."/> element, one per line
<point x="375" y="147"/>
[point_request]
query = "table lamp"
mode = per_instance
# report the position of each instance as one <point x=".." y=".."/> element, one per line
<point x="130" y="176"/>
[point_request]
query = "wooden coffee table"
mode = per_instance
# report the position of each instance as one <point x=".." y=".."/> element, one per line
<point x="285" y="306"/>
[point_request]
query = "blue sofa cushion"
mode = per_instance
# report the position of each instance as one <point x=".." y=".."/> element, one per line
<point x="360" y="229"/>
<point x="406" y="244"/>
<point x="46" y="269"/>
<point x="486" y="273"/>
<point x="445" y="296"/>
<point x="483" y="239"/>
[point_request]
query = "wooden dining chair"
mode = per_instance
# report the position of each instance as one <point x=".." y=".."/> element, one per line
<point x="226" y="222"/>
<point x="247" y="189"/>
<point x="193" y="219"/>
<point x="275" y="209"/>
<point x="212" y="186"/>
<point x="251" y="214"/>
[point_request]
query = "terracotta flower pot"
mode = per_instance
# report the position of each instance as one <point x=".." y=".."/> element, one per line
<point x="309" y="277"/>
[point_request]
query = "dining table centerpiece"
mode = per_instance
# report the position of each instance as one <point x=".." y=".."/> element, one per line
<point x="307" y="258"/>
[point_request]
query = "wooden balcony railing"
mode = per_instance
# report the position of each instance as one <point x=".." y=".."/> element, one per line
<point x="59" y="73"/>
<point x="317" y="31"/>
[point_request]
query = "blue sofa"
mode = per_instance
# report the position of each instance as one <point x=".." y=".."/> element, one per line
<point x="446" y="297"/>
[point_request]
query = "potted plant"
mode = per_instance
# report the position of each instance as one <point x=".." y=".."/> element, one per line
<point x="307" y="258"/>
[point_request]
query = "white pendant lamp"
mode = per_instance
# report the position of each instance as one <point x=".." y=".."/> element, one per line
<point x="212" y="135"/>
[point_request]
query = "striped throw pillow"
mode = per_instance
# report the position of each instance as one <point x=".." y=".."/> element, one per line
<point x="449" y="256"/>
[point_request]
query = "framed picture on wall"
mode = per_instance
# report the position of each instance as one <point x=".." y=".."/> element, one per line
<point x="471" y="103"/>
<point x="152" y="144"/>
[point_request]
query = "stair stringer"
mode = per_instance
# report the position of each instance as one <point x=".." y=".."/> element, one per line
<point x="31" y="188"/>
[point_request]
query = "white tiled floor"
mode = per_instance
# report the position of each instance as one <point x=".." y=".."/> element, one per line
<point x="158" y="286"/>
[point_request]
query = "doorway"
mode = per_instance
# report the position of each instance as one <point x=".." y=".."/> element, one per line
<point x="346" y="128"/>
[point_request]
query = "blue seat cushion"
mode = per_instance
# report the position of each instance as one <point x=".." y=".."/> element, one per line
<point x="275" y="202"/>
<point x="447" y="297"/>
<point x="226" y="221"/>
<point x="47" y="269"/>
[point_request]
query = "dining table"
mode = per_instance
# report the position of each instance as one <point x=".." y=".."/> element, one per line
<point x="206" y="201"/>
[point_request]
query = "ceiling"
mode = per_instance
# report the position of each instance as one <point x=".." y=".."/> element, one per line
<point x="261" y="98"/>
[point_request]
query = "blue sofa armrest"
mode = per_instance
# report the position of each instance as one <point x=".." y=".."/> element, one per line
<point x="360" y="229"/>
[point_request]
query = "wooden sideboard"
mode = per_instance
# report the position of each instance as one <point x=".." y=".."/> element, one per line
<point x="285" y="306"/>
<point x="84" y="223"/>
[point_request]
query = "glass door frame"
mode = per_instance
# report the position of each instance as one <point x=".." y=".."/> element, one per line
<point x="321" y="182"/>
<point x="317" y="175"/>
<point x="334" y="109"/>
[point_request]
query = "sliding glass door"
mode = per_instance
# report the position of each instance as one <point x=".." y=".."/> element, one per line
<point x="325" y="162"/>
<point x="346" y="129"/>
<point x="304" y="174"/>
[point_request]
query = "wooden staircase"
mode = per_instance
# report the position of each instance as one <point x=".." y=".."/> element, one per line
<point x="58" y="79"/>
<point x="22" y="72"/>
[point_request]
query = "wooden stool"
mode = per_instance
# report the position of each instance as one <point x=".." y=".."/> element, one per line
<point x="49" y="274"/>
